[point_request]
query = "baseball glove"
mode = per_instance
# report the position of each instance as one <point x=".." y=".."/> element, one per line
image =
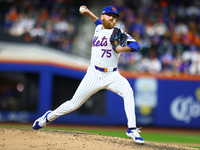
<point x="118" y="38"/>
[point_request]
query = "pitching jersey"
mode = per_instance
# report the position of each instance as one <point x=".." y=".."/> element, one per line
<point x="102" y="54"/>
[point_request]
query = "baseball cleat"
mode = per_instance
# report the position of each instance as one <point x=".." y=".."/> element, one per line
<point x="42" y="121"/>
<point x="134" y="134"/>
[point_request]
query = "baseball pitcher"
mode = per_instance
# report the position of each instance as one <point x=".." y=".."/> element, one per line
<point x="108" y="43"/>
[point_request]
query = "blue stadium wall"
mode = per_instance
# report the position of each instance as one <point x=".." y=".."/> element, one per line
<point x="160" y="101"/>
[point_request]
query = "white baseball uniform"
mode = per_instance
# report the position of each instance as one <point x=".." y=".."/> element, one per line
<point x="101" y="74"/>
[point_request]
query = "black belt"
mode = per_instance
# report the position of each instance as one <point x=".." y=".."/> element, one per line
<point x="105" y="69"/>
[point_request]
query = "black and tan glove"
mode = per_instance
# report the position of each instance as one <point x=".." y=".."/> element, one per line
<point x="118" y="38"/>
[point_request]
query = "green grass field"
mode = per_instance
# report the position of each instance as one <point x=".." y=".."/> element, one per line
<point x="187" y="140"/>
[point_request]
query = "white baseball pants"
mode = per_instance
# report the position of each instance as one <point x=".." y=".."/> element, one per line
<point x="94" y="81"/>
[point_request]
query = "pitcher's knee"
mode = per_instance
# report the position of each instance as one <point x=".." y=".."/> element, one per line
<point x="72" y="105"/>
<point x="127" y="93"/>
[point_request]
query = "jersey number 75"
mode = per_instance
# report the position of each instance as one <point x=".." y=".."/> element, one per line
<point x="106" y="52"/>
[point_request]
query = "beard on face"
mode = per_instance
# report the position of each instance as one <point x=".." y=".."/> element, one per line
<point x="108" y="24"/>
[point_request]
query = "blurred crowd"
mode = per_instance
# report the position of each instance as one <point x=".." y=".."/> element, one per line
<point x="49" y="22"/>
<point x="167" y="30"/>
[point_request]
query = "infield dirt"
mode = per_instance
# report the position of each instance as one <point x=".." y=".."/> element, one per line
<point x="27" y="139"/>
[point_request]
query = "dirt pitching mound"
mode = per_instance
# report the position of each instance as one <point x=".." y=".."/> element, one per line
<point x="23" y="139"/>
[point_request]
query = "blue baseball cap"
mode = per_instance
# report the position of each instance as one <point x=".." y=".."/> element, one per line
<point x="110" y="9"/>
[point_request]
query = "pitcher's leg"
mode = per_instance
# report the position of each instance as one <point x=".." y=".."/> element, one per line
<point x="88" y="86"/>
<point x="122" y="87"/>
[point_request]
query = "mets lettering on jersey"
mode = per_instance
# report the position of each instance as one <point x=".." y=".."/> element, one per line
<point x="101" y="42"/>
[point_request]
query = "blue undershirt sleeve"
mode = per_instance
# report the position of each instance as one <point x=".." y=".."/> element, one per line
<point x="98" y="22"/>
<point x="134" y="46"/>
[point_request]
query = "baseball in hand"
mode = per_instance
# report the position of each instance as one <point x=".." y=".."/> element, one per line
<point x="81" y="9"/>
